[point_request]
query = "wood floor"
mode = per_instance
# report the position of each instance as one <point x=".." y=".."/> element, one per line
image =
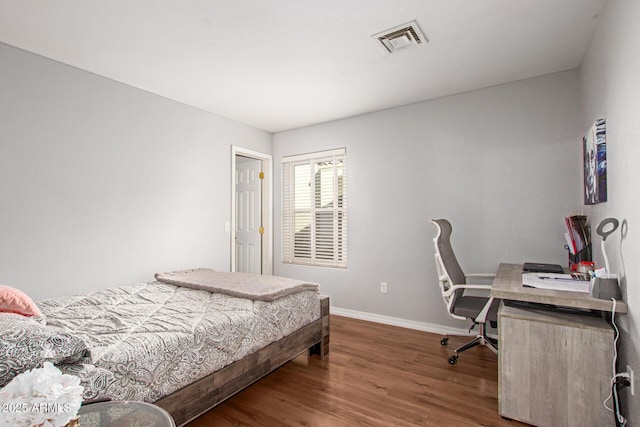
<point x="376" y="375"/>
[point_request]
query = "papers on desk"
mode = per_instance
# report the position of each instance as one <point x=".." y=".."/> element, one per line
<point x="556" y="282"/>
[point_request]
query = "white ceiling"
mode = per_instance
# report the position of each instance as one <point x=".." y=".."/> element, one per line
<point x="282" y="64"/>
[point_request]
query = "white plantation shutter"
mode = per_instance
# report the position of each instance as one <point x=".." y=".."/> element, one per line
<point x="314" y="209"/>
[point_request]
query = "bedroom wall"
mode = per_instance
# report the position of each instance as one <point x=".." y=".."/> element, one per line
<point x="499" y="163"/>
<point x="102" y="184"/>
<point x="610" y="88"/>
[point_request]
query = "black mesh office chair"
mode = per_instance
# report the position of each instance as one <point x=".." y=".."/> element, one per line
<point x="453" y="283"/>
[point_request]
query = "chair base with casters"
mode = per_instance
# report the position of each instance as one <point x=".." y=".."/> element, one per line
<point x="453" y="283"/>
<point x="481" y="338"/>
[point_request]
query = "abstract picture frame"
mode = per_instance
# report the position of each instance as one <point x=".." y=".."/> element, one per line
<point x="594" y="145"/>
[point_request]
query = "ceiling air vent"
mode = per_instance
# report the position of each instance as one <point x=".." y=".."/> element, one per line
<point x="401" y="37"/>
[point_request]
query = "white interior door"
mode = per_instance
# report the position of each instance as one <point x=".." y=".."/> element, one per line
<point x="248" y="221"/>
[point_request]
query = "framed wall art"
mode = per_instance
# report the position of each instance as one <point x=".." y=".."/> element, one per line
<point x="594" y="145"/>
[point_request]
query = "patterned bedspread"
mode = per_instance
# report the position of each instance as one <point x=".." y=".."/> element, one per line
<point x="149" y="340"/>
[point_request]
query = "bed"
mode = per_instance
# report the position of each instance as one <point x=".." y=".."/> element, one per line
<point x="184" y="344"/>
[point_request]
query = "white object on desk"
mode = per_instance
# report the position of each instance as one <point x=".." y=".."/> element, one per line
<point x="604" y="234"/>
<point x="556" y="282"/>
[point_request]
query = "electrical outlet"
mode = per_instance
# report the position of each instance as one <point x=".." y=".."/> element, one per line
<point x="383" y="287"/>
<point x="630" y="372"/>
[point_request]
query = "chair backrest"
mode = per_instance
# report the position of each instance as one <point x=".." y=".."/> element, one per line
<point x="449" y="271"/>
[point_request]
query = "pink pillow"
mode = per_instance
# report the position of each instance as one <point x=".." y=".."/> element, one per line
<point x="13" y="300"/>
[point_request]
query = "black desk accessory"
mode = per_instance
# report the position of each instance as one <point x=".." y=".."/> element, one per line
<point x="538" y="267"/>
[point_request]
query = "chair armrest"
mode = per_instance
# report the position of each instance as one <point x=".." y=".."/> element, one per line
<point x="481" y="275"/>
<point x="473" y="286"/>
<point x="454" y="288"/>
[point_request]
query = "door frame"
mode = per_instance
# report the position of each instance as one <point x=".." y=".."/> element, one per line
<point x="266" y="208"/>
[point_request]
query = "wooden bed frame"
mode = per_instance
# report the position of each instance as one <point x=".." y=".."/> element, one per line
<point x="197" y="398"/>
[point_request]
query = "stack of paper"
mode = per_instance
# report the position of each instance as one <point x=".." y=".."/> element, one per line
<point x="557" y="282"/>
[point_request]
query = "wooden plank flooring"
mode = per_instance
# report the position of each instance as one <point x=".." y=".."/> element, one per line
<point x="376" y="375"/>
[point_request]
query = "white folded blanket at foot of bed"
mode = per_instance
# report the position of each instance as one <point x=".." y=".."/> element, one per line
<point x="243" y="285"/>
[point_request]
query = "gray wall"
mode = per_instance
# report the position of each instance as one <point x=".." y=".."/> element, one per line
<point x="610" y="88"/>
<point x="501" y="164"/>
<point x="103" y="184"/>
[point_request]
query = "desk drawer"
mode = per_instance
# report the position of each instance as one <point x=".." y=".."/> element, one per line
<point x="554" y="369"/>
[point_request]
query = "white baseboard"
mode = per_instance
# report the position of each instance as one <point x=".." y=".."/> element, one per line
<point x="396" y="321"/>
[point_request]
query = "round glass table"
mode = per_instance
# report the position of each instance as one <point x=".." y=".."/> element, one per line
<point x="124" y="414"/>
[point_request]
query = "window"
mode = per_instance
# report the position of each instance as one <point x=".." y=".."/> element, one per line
<point x="314" y="211"/>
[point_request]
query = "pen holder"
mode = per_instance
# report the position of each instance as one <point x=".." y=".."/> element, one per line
<point x="605" y="288"/>
<point x="583" y="255"/>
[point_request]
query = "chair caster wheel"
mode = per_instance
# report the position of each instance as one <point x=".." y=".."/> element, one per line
<point x="453" y="360"/>
<point x="444" y="342"/>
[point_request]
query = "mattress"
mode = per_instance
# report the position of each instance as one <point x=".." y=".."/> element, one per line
<point x="149" y="340"/>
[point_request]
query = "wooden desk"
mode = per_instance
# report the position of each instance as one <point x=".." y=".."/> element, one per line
<point x="554" y="368"/>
